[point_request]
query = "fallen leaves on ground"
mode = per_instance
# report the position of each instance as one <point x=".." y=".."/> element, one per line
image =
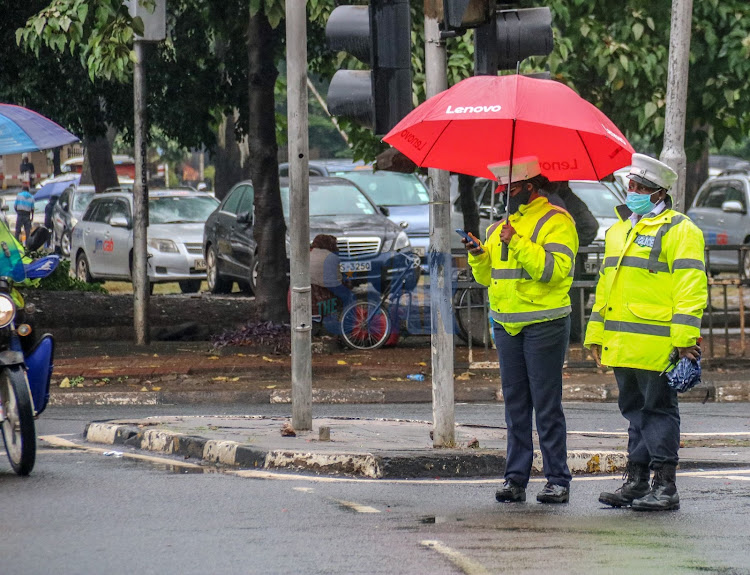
<point x="287" y="430"/>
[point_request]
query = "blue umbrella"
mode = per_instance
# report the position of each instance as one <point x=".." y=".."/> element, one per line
<point x="23" y="130"/>
<point x="56" y="187"/>
<point x="686" y="374"/>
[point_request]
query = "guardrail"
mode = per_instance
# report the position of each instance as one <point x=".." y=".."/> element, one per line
<point x="723" y="319"/>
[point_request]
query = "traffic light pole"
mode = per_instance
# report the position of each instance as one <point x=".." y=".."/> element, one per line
<point x="673" y="153"/>
<point x="441" y="265"/>
<point x="299" y="229"/>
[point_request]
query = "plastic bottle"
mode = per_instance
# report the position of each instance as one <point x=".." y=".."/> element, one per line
<point x="415" y="376"/>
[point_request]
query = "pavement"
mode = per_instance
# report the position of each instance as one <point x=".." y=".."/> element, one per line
<point x="118" y="373"/>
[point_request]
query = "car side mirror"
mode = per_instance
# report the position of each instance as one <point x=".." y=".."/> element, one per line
<point x="245" y="218"/>
<point x="64" y="206"/>
<point x="385" y="211"/>
<point x="119" y="222"/>
<point x="732" y="207"/>
<point x="5" y="208"/>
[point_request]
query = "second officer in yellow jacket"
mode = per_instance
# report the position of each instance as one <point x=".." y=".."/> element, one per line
<point x="530" y="309"/>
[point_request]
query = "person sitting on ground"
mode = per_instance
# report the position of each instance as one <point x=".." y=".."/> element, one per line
<point x="329" y="294"/>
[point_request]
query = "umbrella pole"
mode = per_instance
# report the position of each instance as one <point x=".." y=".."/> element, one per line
<point x="504" y="246"/>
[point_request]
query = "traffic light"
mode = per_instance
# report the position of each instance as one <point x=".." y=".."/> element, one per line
<point x="512" y="36"/>
<point x="458" y="15"/>
<point x="378" y="35"/>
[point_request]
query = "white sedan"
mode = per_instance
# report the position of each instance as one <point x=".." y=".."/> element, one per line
<point x="102" y="241"/>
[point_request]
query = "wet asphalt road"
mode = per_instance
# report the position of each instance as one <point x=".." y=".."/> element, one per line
<point x="83" y="512"/>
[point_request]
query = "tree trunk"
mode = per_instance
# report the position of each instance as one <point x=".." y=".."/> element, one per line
<point x="98" y="166"/>
<point x="269" y="228"/>
<point x="469" y="203"/>
<point x="695" y="175"/>
<point x="230" y="159"/>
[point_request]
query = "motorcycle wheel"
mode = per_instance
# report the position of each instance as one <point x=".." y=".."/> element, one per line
<point x="17" y="426"/>
<point x="365" y="327"/>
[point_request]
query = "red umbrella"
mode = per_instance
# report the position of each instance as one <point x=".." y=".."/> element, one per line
<point x="482" y="119"/>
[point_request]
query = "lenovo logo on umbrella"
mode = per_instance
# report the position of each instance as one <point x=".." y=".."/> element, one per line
<point x="472" y="109"/>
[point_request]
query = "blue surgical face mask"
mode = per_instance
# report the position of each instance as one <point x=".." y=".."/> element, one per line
<point x="640" y="204"/>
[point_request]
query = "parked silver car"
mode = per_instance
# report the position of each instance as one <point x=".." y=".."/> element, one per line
<point x="720" y="211"/>
<point x="102" y="241"/>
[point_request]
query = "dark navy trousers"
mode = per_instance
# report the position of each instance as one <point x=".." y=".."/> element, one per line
<point x="531" y="365"/>
<point x="650" y="406"/>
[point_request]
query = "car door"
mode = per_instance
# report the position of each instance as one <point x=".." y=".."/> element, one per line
<point x="224" y="230"/>
<point x="719" y="227"/>
<point x="243" y="243"/>
<point x="107" y="247"/>
<point x="120" y="238"/>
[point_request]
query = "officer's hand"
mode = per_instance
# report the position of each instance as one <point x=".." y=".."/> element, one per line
<point x="507" y="233"/>
<point x="693" y="352"/>
<point x="596" y="353"/>
<point x="475" y="251"/>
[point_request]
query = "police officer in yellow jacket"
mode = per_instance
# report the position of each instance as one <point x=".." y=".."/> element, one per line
<point x="649" y="299"/>
<point x="530" y="309"/>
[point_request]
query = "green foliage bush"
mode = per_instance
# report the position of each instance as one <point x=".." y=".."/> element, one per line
<point x="61" y="280"/>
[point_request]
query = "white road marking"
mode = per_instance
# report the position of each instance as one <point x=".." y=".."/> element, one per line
<point x="357" y="507"/>
<point x="464" y="563"/>
<point x="303" y="489"/>
<point x="682" y="434"/>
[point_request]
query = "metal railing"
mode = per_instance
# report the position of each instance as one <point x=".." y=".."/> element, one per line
<point x="723" y="321"/>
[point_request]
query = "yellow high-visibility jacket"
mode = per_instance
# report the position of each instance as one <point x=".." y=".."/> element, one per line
<point x="533" y="285"/>
<point x="651" y="292"/>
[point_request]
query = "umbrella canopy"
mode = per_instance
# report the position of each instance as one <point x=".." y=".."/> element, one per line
<point x="23" y="130"/>
<point x="56" y="186"/>
<point x="480" y="120"/>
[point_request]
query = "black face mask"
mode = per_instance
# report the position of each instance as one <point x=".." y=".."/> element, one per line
<point x="518" y="200"/>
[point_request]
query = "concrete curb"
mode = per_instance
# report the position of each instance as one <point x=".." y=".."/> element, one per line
<point x="441" y="463"/>
<point x="726" y="392"/>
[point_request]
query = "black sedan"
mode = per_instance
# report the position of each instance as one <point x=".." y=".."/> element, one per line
<point x="366" y="237"/>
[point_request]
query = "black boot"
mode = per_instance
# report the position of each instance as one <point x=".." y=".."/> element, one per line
<point x="636" y="485"/>
<point x="663" y="495"/>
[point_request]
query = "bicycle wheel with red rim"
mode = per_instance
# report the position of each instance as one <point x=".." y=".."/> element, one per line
<point x="365" y="325"/>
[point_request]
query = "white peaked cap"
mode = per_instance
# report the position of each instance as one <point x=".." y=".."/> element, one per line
<point x="523" y="169"/>
<point x="651" y="172"/>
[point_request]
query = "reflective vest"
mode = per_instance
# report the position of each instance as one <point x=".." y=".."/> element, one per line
<point x="651" y="292"/>
<point x="532" y="285"/>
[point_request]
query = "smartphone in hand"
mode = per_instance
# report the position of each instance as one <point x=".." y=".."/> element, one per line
<point x="471" y="241"/>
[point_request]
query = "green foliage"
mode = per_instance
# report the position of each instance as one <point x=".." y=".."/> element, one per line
<point x="61" y="280"/>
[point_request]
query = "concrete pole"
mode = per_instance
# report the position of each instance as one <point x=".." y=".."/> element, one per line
<point x="673" y="152"/>
<point x="299" y="228"/>
<point x="441" y="264"/>
<point x="140" y="202"/>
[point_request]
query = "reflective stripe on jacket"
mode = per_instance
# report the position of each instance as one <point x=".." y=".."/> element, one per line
<point x="532" y="286"/>
<point x="651" y="292"/>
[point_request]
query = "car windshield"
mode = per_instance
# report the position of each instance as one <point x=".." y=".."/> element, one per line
<point x="389" y="188"/>
<point x="600" y="200"/>
<point x="180" y="209"/>
<point x="333" y="200"/>
<point x="81" y="201"/>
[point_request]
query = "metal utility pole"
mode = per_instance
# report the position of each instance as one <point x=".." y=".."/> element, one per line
<point x="673" y="152"/>
<point x="299" y="229"/>
<point x="441" y="264"/>
<point x="140" y="203"/>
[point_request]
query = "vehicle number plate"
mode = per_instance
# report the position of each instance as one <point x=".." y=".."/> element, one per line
<point x="355" y="267"/>
<point x="419" y="250"/>
<point x="200" y="264"/>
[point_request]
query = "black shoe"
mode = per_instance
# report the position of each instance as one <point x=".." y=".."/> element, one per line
<point x="663" y="495"/>
<point x="553" y="494"/>
<point x="511" y="492"/>
<point x="636" y="485"/>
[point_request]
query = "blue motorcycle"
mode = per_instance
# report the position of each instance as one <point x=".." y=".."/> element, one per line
<point x="25" y="360"/>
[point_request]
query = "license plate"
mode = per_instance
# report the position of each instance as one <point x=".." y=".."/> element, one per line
<point x="355" y="267"/>
<point x="200" y="264"/>
<point x="419" y="250"/>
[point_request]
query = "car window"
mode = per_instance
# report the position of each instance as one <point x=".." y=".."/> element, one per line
<point x="714" y="196"/>
<point x="102" y="211"/>
<point x="246" y="203"/>
<point x="233" y="200"/>
<point x="599" y="199"/>
<point x="389" y="188"/>
<point x="333" y="200"/>
<point x="120" y="208"/>
<point x="81" y="201"/>
<point x="181" y="209"/>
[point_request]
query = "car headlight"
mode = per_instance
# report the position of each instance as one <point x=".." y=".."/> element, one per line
<point x="164" y="246"/>
<point x="401" y="242"/>
<point x="7" y="310"/>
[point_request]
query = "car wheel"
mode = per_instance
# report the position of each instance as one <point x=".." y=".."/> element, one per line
<point x="65" y="244"/>
<point x="190" y="286"/>
<point x="216" y="283"/>
<point x="83" y="271"/>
